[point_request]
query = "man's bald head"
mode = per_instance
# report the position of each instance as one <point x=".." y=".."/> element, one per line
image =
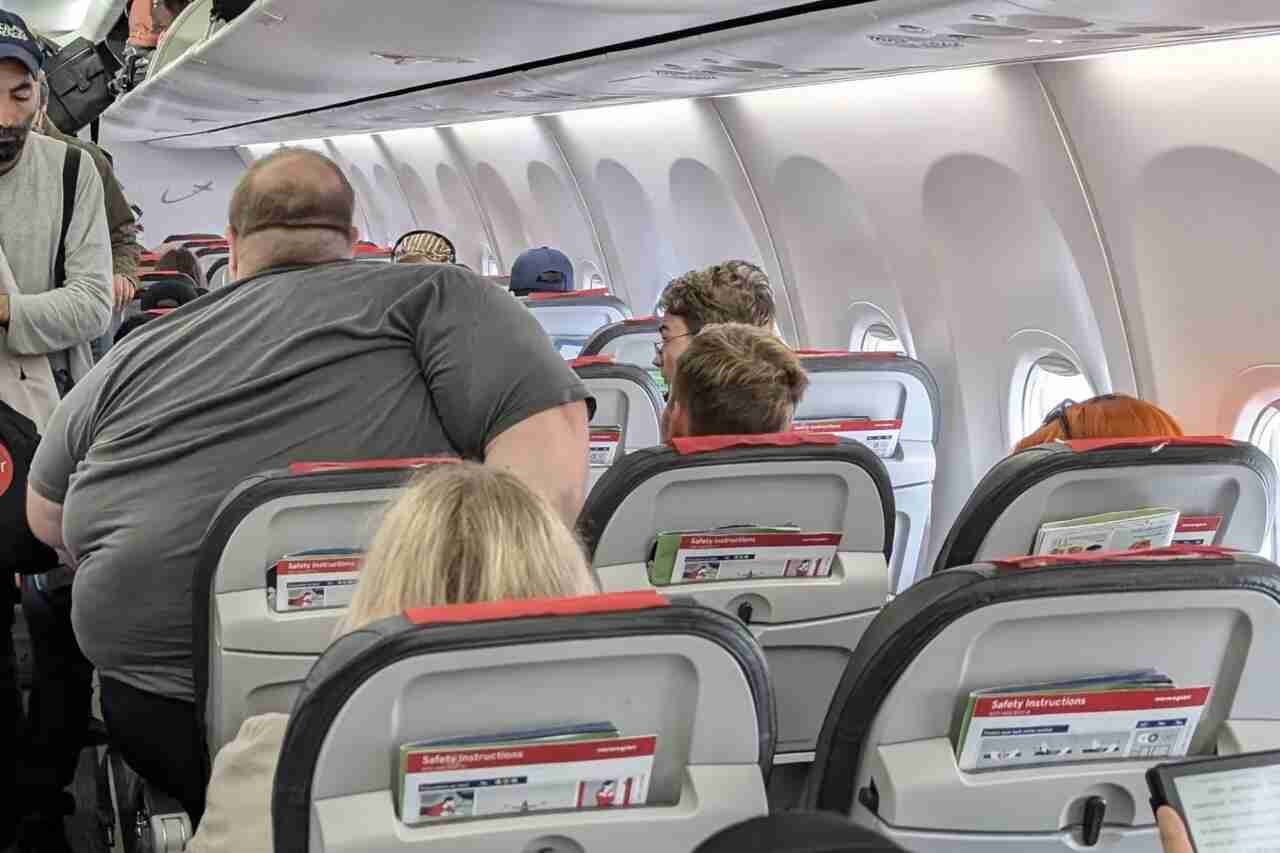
<point x="293" y="206"/>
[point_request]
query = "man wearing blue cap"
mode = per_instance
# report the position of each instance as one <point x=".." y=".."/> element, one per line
<point x="55" y="298"/>
<point x="541" y="270"/>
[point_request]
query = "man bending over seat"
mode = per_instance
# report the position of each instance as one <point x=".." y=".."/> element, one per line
<point x="318" y="358"/>
<point x="734" y="379"/>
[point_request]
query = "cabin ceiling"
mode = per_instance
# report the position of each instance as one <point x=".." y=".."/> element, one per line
<point x="301" y="69"/>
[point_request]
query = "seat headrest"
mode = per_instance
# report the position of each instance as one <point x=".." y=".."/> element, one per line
<point x="712" y="443"/>
<point x="1172" y="552"/>
<point x="171" y="292"/>
<point x="651" y="320"/>
<point x="370" y="464"/>
<point x="488" y="611"/>
<point x="844" y="465"/>
<point x="913" y="620"/>
<point x="551" y="296"/>
<point x="1064" y="480"/>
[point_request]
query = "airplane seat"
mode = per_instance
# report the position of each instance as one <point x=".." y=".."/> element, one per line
<point x="849" y="391"/>
<point x="210" y="255"/>
<point x="1206" y="617"/>
<point x="1201" y="476"/>
<point x="569" y="319"/>
<point x="805" y="483"/>
<point x="691" y="677"/>
<point x="797" y="832"/>
<point x="628" y="341"/>
<point x="252" y="650"/>
<point x="218" y="272"/>
<point x="183" y="238"/>
<point x="628" y="411"/>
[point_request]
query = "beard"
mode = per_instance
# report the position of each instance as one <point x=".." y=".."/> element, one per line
<point x="12" y="140"/>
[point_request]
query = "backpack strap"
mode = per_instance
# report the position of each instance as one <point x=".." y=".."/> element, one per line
<point x="70" y="178"/>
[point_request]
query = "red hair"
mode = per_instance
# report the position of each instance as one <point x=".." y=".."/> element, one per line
<point x="1113" y="416"/>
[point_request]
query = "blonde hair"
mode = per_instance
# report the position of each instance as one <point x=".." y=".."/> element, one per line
<point x="736" y="379"/>
<point x="466" y="533"/>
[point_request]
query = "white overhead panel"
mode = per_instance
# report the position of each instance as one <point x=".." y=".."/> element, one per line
<point x="294" y="69"/>
<point x="52" y="17"/>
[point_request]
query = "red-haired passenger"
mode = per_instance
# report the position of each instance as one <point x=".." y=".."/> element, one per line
<point x="1108" y="416"/>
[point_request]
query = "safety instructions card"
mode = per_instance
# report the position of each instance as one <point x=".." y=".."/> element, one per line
<point x="605" y="444"/>
<point x="313" y="580"/>
<point x="880" y="436"/>
<point x="742" y="555"/>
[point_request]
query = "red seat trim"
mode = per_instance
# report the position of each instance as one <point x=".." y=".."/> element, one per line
<point x="709" y="443"/>
<point x="586" y="360"/>
<point x="568" y="294"/>
<point x="371" y="464"/>
<point x="1173" y="552"/>
<point x="617" y="602"/>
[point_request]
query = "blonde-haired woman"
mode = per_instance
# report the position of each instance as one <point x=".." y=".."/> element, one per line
<point x="459" y="534"/>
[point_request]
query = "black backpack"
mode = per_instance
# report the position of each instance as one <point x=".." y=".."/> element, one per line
<point x="20" y="550"/>
<point x="228" y="10"/>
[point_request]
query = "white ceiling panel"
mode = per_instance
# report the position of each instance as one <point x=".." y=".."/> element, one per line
<point x="317" y="57"/>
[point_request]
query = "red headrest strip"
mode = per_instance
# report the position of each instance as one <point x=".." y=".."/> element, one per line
<point x="1170" y="553"/>
<point x="584" y="360"/>
<point x="708" y="443"/>
<point x="868" y="356"/>
<point x="640" y="321"/>
<point x="159" y="312"/>
<point x="371" y="464"/>
<point x="1087" y="444"/>
<point x="487" y="611"/>
<point x="570" y="294"/>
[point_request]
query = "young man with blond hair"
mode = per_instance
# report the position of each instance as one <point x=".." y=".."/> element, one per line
<point x="734" y="379"/>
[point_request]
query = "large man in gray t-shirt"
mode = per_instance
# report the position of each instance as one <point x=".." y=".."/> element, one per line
<point x="307" y="356"/>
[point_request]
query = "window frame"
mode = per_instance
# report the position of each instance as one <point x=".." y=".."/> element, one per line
<point x="1268" y="421"/>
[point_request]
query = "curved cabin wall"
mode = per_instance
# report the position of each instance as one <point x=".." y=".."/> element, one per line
<point x="1123" y="205"/>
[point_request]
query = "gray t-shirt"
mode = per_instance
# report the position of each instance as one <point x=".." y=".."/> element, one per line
<point x="351" y="360"/>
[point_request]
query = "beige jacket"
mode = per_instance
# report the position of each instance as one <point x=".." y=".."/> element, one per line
<point x="237" y="815"/>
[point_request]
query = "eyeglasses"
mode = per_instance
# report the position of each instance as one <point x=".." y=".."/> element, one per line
<point x="1059" y="412"/>
<point x="662" y="342"/>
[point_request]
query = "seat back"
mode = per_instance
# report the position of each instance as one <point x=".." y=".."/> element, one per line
<point x="629" y="342"/>
<point x="693" y="678"/>
<point x="797" y="832"/>
<point x="816" y="484"/>
<point x="628" y="410"/>
<point x="571" y="318"/>
<point x="218" y="272"/>
<point x="1199" y="476"/>
<point x="1206" y="617"/>
<point x="251" y="657"/>
<point x="884" y="389"/>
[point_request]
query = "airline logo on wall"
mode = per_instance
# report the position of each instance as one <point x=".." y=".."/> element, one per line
<point x="196" y="189"/>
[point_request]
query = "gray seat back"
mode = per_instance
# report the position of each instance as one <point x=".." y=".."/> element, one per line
<point x="885" y="387"/>
<point x="808" y="626"/>
<point x="629" y="342"/>
<point x="693" y="678"/>
<point x="249" y="658"/>
<point x="1206" y="617"/>
<point x="626" y="399"/>
<point x="1197" y="475"/>
<point x="569" y="319"/>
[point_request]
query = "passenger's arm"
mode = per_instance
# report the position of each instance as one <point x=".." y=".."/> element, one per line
<point x="80" y="311"/>
<point x="549" y="452"/>
<point x="45" y="518"/>
<point x="503" y="393"/>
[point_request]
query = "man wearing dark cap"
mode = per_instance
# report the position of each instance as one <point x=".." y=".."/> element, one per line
<point x="53" y="239"/>
<point x="541" y="270"/>
<point x="319" y="358"/>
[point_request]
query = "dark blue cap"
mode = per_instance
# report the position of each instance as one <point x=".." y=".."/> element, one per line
<point x="17" y="42"/>
<point x="542" y="270"/>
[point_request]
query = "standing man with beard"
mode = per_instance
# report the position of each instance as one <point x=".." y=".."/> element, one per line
<point x="59" y="300"/>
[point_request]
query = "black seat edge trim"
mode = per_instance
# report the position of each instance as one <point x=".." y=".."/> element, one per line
<point x="312" y="717"/>
<point x="634" y="469"/>
<point x="604" y="335"/>
<point x="1016" y="474"/>
<point x="906" y="626"/>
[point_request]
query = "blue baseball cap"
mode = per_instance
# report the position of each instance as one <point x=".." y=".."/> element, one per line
<point x="542" y="270"/>
<point x="18" y="42"/>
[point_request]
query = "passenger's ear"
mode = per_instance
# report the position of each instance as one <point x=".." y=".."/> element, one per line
<point x="231" y="254"/>
<point x="675" y="420"/>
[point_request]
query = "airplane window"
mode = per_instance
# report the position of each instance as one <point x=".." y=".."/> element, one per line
<point x="880" y="337"/>
<point x="1266" y="436"/>
<point x="1051" y="379"/>
<point x="489" y="263"/>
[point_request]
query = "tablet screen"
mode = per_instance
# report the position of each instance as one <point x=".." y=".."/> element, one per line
<point x="1233" y="810"/>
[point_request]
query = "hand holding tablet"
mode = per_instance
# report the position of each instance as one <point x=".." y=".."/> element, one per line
<point x="1218" y="804"/>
